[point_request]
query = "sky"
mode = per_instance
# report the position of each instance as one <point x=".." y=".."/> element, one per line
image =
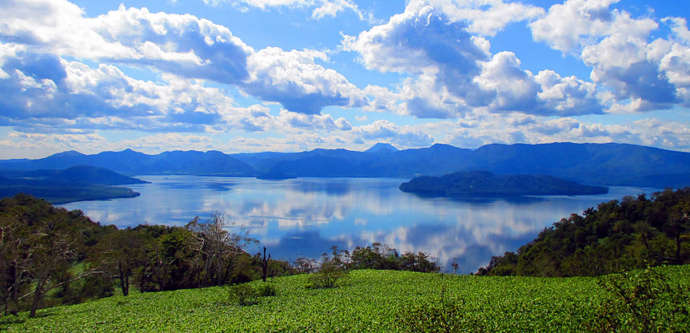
<point x="295" y="75"/>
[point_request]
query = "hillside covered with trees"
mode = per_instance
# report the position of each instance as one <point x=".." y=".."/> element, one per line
<point x="54" y="256"/>
<point x="614" y="237"/>
<point x="484" y="183"/>
<point x="76" y="183"/>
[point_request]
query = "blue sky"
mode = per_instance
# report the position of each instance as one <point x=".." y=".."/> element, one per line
<point x="291" y="75"/>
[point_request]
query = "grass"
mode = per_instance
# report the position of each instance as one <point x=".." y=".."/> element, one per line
<point x="367" y="301"/>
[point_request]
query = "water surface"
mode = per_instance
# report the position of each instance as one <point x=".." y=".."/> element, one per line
<point x="306" y="216"/>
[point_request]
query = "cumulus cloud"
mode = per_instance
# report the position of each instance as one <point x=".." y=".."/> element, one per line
<point x="452" y="70"/>
<point x="640" y="72"/>
<point x="383" y="130"/>
<point x="38" y="35"/>
<point x="567" y="25"/>
<point x="312" y="122"/>
<point x="322" y="8"/>
<point x="484" y="17"/>
<point x="294" y="79"/>
<point x="183" y="44"/>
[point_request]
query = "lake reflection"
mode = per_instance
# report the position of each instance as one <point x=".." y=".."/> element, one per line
<point x="306" y="216"/>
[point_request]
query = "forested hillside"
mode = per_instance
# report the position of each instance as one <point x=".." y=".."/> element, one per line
<point x="482" y="183"/>
<point x="44" y="249"/>
<point x="615" y="236"/>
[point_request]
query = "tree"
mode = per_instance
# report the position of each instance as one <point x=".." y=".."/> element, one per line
<point x="217" y="246"/>
<point x="677" y="226"/>
<point x="264" y="265"/>
<point x="50" y="256"/>
<point x="120" y="252"/>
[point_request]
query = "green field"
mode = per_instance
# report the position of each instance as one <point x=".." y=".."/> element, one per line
<point x="366" y="301"/>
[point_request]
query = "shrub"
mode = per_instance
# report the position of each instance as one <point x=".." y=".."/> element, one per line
<point x="642" y="301"/>
<point x="327" y="276"/>
<point x="243" y="294"/>
<point x="266" y="289"/>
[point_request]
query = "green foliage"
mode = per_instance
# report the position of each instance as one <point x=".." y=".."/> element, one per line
<point x="266" y="290"/>
<point x="243" y="294"/>
<point x="327" y="276"/>
<point x="615" y="237"/>
<point x="41" y="246"/>
<point x="382" y="257"/>
<point x="371" y="301"/>
<point x="434" y="316"/>
<point x="642" y="301"/>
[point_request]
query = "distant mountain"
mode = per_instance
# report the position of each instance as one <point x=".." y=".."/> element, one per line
<point x="482" y="183"/>
<point x="381" y="148"/>
<point x="79" y="175"/>
<point x="602" y="164"/>
<point x="73" y="184"/>
<point x="130" y="162"/>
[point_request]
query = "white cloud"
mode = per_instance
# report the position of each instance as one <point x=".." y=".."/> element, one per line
<point x="484" y="17"/>
<point x="185" y="45"/>
<point x="383" y="130"/>
<point x="294" y="79"/>
<point x="452" y="70"/>
<point x="568" y="25"/>
<point x="640" y="73"/>
<point x="322" y="8"/>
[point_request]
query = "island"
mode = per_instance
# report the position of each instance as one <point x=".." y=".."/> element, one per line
<point x="79" y="183"/>
<point x="487" y="184"/>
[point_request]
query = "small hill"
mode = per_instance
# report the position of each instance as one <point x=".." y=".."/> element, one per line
<point x="83" y="174"/>
<point x="77" y="183"/>
<point x="482" y="183"/>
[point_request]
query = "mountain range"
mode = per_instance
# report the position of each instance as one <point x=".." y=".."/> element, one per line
<point x="598" y="164"/>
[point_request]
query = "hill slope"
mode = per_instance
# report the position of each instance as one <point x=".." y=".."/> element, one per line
<point x="82" y="174"/>
<point x="482" y="183"/>
<point x="77" y="183"/>
<point x="369" y="301"/>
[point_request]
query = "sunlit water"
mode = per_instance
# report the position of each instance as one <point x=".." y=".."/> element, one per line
<point x="306" y="216"/>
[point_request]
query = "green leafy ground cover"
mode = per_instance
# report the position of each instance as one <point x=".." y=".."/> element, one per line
<point x="366" y="300"/>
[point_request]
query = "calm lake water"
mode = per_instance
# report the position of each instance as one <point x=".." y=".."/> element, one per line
<point x="306" y="216"/>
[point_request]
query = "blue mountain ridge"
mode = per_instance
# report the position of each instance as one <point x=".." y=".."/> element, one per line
<point x="587" y="163"/>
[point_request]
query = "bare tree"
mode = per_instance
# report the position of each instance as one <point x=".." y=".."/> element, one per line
<point x="217" y="246"/>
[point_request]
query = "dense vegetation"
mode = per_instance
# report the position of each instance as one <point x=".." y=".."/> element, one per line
<point x="387" y="301"/>
<point x="483" y="183"/>
<point x="72" y="184"/>
<point x="52" y="256"/>
<point x="605" y="164"/>
<point x="614" y="237"/>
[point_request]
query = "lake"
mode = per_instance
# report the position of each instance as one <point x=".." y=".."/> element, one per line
<point x="304" y="217"/>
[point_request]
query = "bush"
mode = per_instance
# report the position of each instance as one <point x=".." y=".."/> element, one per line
<point x="243" y="294"/>
<point x="327" y="276"/>
<point x="266" y="289"/>
<point x="642" y="301"/>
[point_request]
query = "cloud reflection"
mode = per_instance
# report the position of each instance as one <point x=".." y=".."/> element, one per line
<point x="305" y="217"/>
